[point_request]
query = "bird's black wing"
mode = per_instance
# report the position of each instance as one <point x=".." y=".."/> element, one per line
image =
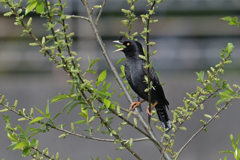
<point x="135" y="76"/>
<point x="128" y="75"/>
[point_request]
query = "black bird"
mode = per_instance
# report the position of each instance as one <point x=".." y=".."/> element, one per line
<point x="135" y="72"/>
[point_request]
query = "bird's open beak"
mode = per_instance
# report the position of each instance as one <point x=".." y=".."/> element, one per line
<point x="120" y="49"/>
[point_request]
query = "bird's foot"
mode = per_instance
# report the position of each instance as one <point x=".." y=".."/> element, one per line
<point x="134" y="105"/>
<point x="147" y="111"/>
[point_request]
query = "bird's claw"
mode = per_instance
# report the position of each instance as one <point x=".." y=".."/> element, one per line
<point x="149" y="113"/>
<point x="134" y="105"/>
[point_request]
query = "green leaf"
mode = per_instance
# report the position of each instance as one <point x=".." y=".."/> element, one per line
<point x="123" y="69"/>
<point x="57" y="115"/>
<point x="207" y="116"/>
<point x="209" y="87"/>
<point x="226" y="18"/>
<point x="129" y="114"/>
<point x="73" y="106"/>
<point x="237" y="140"/>
<point x="47" y="107"/>
<point x="7" y="14"/>
<point x="36" y="120"/>
<point x="120" y="148"/>
<point x="60" y="97"/>
<point x="48" y="116"/>
<point x="102" y="76"/>
<point x="97" y="6"/>
<point x="30" y="7"/>
<point x="103" y="93"/>
<point x="40" y="7"/>
<point x="94" y="62"/>
<point x="220" y="101"/>
<point x="109" y="158"/>
<point x="11" y="145"/>
<point x="227" y="152"/>
<point x="229" y="48"/>
<point x="183" y="128"/>
<point x="72" y="89"/>
<point x="121" y="94"/>
<point x="224" y="94"/>
<point x="120" y="60"/>
<point x="107" y="103"/>
<point x="11" y="137"/>
<point x="26" y="151"/>
<point x="68" y="104"/>
<point x="91" y="71"/>
<point x="233" y="142"/>
<point x="78" y="122"/>
<point x="142" y="57"/>
<point x="19" y="145"/>
<point x="200" y="75"/>
<point x="40" y="111"/>
<point x="135" y="121"/>
<point x="84" y="112"/>
<point x="33" y="142"/>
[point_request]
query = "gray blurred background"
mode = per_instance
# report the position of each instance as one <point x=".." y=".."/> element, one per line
<point x="189" y="35"/>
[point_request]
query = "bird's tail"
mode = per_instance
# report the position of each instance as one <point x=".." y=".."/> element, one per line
<point x="163" y="116"/>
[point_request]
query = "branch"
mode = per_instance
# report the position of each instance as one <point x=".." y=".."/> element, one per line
<point x="100" y="12"/>
<point x="148" y="63"/>
<point x="195" y="134"/>
<point x="41" y="154"/>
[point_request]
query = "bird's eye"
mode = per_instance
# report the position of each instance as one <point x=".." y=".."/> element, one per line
<point x="128" y="44"/>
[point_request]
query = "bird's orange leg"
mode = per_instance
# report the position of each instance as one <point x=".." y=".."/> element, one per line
<point x="151" y="108"/>
<point x="135" y="104"/>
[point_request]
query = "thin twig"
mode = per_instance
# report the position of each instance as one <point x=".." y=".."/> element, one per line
<point x="41" y="153"/>
<point x="100" y="12"/>
<point x="213" y="117"/>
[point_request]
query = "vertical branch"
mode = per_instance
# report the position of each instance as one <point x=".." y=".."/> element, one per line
<point x="148" y="63"/>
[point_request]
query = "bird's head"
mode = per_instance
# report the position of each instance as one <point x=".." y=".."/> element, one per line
<point x="130" y="47"/>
